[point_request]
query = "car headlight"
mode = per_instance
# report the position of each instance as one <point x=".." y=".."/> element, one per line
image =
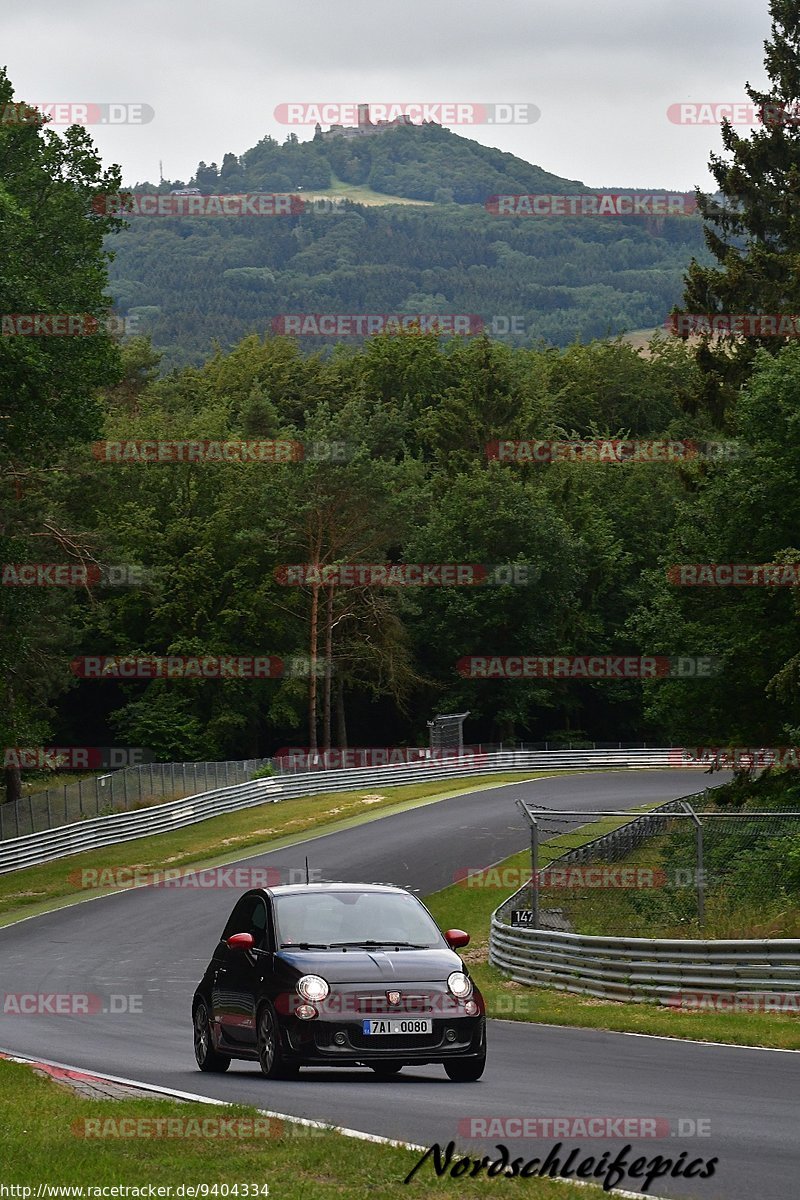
<point x="460" y="985"/>
<point x="313" y="987"/>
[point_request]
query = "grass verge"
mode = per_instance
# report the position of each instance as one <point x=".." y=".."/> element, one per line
<point x="224" y="839"/>
<point x="41" y="1143"/>
<point x="471" y="908"/>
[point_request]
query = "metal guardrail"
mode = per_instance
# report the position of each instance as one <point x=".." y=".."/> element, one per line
<point x="117" y="791"/>
<point x="658" y="969"/>
<point x="662" y="970"/>
<point x="122" y="827"/>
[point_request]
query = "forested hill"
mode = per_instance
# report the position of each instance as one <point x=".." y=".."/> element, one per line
<point x="191" y="281"/>
<point x="421" y="163"/>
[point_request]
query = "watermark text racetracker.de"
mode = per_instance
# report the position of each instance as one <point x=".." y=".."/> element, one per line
<point x="304" y="758"/>
<point x="607" y="450"/>
<point x="67" y="325"/>
<point x="733" y="758"/>
<point x="603" y="204"/>
<point x="376" y="113"/>
<point x="592" y="1127"/>
<point x="752" y="1002"/>
<point x="75" y="758"/>
<point x="74" y="574"/>
<point x="176" y="204"/>
<point x="754" y="325"/>
<point x="587" y="666"/>
<point x="100" y="667"/>
<point x="405" y="574"/>
<point x="737" y="112"/>
<point x="186" y="879"/>
<point x="734" y="574"/>
<point x="82" y="112"/>
<point x="567" y="876"/>
<point x="366" y="324"/>
<point x="266" y="450"/>
<point x="69" y="1004"/>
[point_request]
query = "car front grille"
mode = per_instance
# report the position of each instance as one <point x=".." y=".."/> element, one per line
<point x="409" y="1003"/>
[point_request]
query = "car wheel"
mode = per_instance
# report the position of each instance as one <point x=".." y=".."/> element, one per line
<point x="207" y="1057"/>
<point x="465" y="1070"/>
<point x="270" y="1053"/>
<point x="385" y="1069"/>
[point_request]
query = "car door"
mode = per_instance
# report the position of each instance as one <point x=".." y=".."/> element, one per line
<point x="241" y="972"/>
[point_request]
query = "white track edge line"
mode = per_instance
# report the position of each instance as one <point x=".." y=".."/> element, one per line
<point x="359" y="1134"/>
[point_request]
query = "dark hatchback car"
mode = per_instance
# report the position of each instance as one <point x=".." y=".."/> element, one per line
<point x="338" y="974"/>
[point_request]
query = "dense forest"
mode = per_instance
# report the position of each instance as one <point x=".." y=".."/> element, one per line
<point x="193" y="281"/>
<point x="212" y="541"/>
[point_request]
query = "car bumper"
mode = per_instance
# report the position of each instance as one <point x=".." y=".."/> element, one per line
<point x="343" y="1043"/>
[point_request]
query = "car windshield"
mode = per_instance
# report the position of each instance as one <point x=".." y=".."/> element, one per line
<point x="354" y="918"/>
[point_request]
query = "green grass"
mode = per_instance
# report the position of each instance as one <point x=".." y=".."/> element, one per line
<point x="470" y="908"/>
<point x="222" y="840"/>
<point x="360" y="193"/>
<point x="41" y="1142"/>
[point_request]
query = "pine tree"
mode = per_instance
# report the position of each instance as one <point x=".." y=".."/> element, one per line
<point x="753" y="229"/>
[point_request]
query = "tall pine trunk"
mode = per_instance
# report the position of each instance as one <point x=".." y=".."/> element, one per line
<point x="326" y="698"/>
<point x="341" y="723"/>
<point x="312" y="669"/>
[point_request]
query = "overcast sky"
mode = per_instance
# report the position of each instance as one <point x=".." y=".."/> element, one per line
<point x="602" y="72"/>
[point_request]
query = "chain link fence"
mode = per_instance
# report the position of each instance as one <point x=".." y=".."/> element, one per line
<point x="705" y="865"/>
<point x="119" y="791"/>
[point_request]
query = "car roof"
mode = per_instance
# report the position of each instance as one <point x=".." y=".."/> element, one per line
<point x="304" y="889"/>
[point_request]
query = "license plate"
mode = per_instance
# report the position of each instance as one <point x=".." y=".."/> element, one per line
<point x="385" y="1026"/>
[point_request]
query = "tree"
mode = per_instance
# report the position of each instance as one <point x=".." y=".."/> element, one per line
<point x="754" y="231"/>
<point x="53" y="263"/>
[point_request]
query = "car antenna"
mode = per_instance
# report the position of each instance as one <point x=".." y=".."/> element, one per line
<point x="307" y="879"/>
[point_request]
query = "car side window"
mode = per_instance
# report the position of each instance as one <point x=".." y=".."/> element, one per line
<point x="259" y="925"/>
<point x="241" y="919"/>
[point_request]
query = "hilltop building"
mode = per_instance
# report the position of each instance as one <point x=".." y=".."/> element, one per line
<point x="366" y="127"/>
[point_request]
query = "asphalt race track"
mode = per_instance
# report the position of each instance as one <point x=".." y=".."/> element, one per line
<point x="154" y="943"/>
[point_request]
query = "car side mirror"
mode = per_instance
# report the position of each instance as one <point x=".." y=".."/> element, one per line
<point x="456" y="938"/>
<point x="240" y="941"/>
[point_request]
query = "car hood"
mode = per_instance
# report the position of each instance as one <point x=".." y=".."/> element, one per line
<point x="374" y="966"/>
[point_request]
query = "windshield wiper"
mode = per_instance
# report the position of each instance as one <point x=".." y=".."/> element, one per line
<point x="384" y="942"/>
<point x="304" y="946"/>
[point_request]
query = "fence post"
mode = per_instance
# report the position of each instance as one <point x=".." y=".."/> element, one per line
<point x="534" y="873"/>
<point x="80" y="796"/>
<point x="701" y="883"/>
<point x="125" y="787"/>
